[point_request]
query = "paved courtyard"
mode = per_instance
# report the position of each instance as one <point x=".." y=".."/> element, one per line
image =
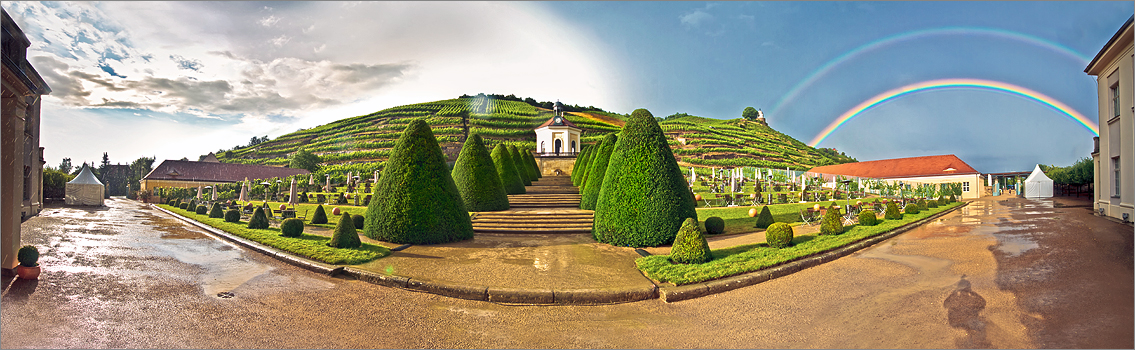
<point x="1000" y="273"/>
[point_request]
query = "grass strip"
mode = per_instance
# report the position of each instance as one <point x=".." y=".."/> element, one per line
<point x="307" y="245"/>
<point x="752" y="257"/>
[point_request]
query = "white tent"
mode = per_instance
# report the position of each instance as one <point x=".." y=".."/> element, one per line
<point x="85" y="189"/>
<point x="1038" y="185"/>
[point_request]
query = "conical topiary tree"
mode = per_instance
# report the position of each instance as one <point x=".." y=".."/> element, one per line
<point x="832" y="222"/>
<point x="535" y="165"/>
<point x="892" y="212"/>
<point x="764" y="219"/>
<point x="526" y="163"/>
<point x="644" y="197"/>
<point x="502" y="161"/>
<point x="476" y="178"/>
<point x="598" y="166"/>
<point x="259" y="220"/>
<point x="216" y="211"/>
<point x="580" y="166"/>
<point x="519" y="164"/>
<point x="320" y="216"/>
<point x="690" y="246"/>
<point x="345" y="235"/>
<point x="416" y="200"/>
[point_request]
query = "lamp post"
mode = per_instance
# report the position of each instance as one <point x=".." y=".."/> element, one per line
<point x="266" y="184"/>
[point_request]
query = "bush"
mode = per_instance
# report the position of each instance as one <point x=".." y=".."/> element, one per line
<point x="532" y="163"/>
<point x="476" y="178"/>
<point x="320" y="216"/>
<point x="259" y="220"/>
<point x="302" y="198"/>
<point x="953" y="199"/>
<point x="646" y="199"/>
<point x="779" y="235"/>
<point x="291" y="227"/>
<point x="931" y="204"/>
<point x="580" y="166"/>
<point x="597" y="169"/>
<point x="342" y="198"/>
<point x="892" y="212"/>
<point x="359" y="221"/>
<point x="184" y="206"/>
<point x="510" y="179"/>
<point x="714" y="225"/>
<point x="912" y="208"/>
<point x="921" y="205"/>
<point x="764" y="219"/>
<point x="416" y="200"/>
<point x="216" y="212"/>
<point x="690" y="246"/>
<point x="28" y="256"/>
<point x="201" y="210"/>
<point x="832" y="223"/>
<point x="518" y="163"/>
<point x="345" y="235"/>
<point x="232" y="215"/>
<point x="867" y="218"/>
<point x="192" y="204"/>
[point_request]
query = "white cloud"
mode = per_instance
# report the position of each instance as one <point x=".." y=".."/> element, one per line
<point x="269" y="21"/>
<point x="695" y="18"/>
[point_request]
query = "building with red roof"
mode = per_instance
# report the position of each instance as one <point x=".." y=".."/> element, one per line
<point x="190" y="174"/>
<point x="927" y="169"/>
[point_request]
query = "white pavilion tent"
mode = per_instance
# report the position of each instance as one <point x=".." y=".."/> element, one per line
<point x="85" y="189"/>
<point x="1038" y="185"/>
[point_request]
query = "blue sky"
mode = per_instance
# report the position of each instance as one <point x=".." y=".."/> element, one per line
<point x="149" y="79"/>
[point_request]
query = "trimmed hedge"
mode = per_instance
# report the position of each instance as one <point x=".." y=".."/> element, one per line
<point x="345" y="235"/>
<point x="291" y="227"/>
<point x="259" y="220"/>
<point x="216" y="212"/>
<point x="519" y="164"/>
<point x="867" y="218"/>
<point x="232" y="215"/>
<point x="764" y="219"/>
<point x="931" y="204"/>
<point x="320" y="216"/>
<point x="580" y="166"/>
<point x="714" y="225"/>
<point x="476" y="178"/>
<point x="360" y="220"/>
<point x="922" y="205"/>
<point x="585" y="171"/>
<point x="942" y="200"/>
<point x="532" y="162"/>
<point x="28" y="256"/>
<point x="416" y="200"/>
<point x="597" y="166"/>
<point x="509" y="178"/>
<point x="526" y="164"/>
<point x="892" y="212"/>
<point x="644" y="197"/>
<point x="832" y="223"/>
<point x="183" y="206"/>
<point x="953" y="199"/>
<point x="690" y="246"/>
<point x="912" y="208"/>
<point x="201" y="210"/>
<point x="779" y="235"/>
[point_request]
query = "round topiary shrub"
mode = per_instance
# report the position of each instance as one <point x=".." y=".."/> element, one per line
<point x="183" y="206"/>
<point x="216" y="212"/>
<point x="345" y="235"/>
<point x="291" y="227"/>
<point x="912" y="208"/>
<point x="598" y="168"/>
<point x="510" y="178"/>
<point x="867" y="218"/>
<point x="232" y="215"/>
<point x="259" y="220"/>
<point x="644" y="197"/>
<point x="416" y="200"/>
<point x="690" y="246"/>
<point x="922" y="205"/>
<point x="931" y="204"/>
<point x="832" y="223"/>
<point x="477" y="179"/>
<point x="779" y="235"/>
<point x="359" y="221"/>
<point x="714" y="225"/>
<point x="320" y="216"/>
<point x="892" y="212"/>
<point x="764" y="219"/>
<point x="28" y="256"/>
<point x="201" y="210"/>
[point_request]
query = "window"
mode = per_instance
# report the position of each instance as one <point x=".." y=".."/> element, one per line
<point x="1115" y="174"/>
<point x="1115" y="100"/>
<point x="965" y="186"/>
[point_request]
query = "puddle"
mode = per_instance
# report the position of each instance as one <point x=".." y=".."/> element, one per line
<point x="1015" y="245"/>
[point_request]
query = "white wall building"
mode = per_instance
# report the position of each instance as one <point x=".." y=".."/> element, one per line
<point x="1114" y="155"/>
<point x="558" y="135"/>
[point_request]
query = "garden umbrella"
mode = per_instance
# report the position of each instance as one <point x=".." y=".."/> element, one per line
<point x="327" y="187"/>
<point x="350" y="180"/>
<point x="214" y="197"/>
<point x="292" y="194"/>
<point x="311" y="179"/>
<point x="199" y="191"/>
<point x="376" y="177"/>
<point x="244" y="191"/>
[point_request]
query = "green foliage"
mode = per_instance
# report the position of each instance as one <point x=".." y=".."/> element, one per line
<point x="477" y="179"/>
<point x="749" y="113"/>
<point x="345" y="235"/>
<point x="892" y="212"/>
<point x="598" y="168"/>
<point x="1080" y="173"/>
<point x="183" y="205"/>
<point x="764" y="219"/>
<point x="953" y="199"/>
<point x="832" y="222"/>
<point x="779" y="235"/>
<point x="534" y="164"/>
<point x="690" y="246"/>
<point x="644" y="197"/>
<point x="932" y="203"/>
<point x="320" y="216"/>
<point x="943" y="200"/>
<point x="304" y="159"/>
<point x="509" y="178"/>
<point x="922" y="204"/>
<point x="55" y="182"/>
<point x="201" y="209"/>
<point x="291" y="227"/>
<point x="912" y="208"/>
<point x="216" y="211"/>
<point x="232" y="215"/>
<point x="359" y="221"/>
<point x="518" y="163"/>
<point x="259" y="220"/>
<point x="28" y="256"/>
<point x="714" y="225"/>
<point x="580" y="166"/>
<point x="416" y="200"/>
<point x="867" y="218"/>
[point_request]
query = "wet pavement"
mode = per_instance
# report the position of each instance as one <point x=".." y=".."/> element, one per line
<point x="1000" y="273"/>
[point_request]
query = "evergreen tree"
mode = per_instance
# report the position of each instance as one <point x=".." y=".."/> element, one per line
<point x="518" y="163"/>
<point x="476" y="178"/>
<point x="507" y="172"/>
<point x="598" y="167"/>
<point x="580" y="165"/>
<point x="345" y="235"/>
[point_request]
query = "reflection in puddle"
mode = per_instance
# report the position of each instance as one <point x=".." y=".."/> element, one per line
<point x="1014" y="245"/>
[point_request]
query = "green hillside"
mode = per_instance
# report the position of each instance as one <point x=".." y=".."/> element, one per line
<point x="361" y="144"/>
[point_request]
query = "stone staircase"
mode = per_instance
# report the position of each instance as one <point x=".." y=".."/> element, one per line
<point x="550" y="206"/>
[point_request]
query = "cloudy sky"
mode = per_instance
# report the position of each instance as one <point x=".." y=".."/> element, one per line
<point x="180" y="79"/>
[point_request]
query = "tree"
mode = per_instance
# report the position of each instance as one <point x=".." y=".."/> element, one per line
<point x="580" y="165"/>
<point x="644" y="198"/>
<point x="476" y="178"/>
<point x="345" y="235"/>
<point x="510" y="179"/>
<point x="416" y="200"/>
<point x="65" y="166"/>
<point x="518" y="162"/>
<point x="598" y="169"/>
<point x="304" y="159"/>
<point x="749" y="113"/>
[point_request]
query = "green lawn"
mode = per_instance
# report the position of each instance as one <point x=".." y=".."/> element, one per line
<point x="752" y="257"/>
<point x="737" y="218"/>
<point x="307" y="245"/>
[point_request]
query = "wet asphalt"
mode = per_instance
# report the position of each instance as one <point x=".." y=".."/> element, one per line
<point x="1000" y="273"/>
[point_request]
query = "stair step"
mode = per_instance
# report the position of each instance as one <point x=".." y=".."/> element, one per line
<point x="533" y="231"/>
<point x="557" y="221"/>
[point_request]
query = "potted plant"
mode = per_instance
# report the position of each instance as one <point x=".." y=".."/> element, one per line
<point x="29" y="267"/>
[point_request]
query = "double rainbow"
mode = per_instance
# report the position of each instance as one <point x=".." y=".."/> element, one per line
<point x="954" y="84"/>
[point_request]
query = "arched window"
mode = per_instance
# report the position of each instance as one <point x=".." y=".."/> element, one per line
<point x="541" y="146"/>
<point x="558" y="146"/>
<point x="573" y="146"/>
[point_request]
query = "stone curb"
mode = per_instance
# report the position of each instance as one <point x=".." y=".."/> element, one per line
<point x="697" y="290"/>
<point x="302" y="262"/>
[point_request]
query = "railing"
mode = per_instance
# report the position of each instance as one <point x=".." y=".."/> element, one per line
<point x="554" y="154"/>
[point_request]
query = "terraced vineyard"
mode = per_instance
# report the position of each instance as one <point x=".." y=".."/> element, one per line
<point x="704" y="142"/>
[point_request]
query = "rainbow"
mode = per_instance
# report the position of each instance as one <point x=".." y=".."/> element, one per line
<point x="954" y="84"/>
<point x="828" y="66"/>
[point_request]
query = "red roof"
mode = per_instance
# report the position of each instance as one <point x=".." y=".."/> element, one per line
<point x="220" y="172"/>
<point x="565" y="123"/>
<point x="901" y="167"/>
